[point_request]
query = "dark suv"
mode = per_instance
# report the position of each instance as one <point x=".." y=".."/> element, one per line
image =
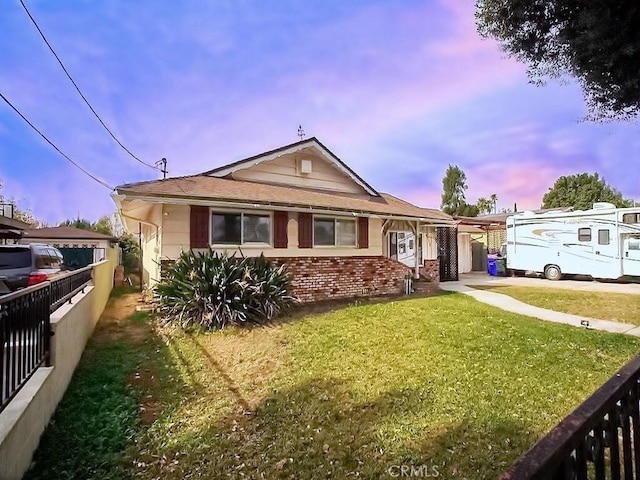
<point x="25" y="265"/>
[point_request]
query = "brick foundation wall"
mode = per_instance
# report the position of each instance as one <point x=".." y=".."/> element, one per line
<point x="329" y="278"/>
<point x="431" y="270"/>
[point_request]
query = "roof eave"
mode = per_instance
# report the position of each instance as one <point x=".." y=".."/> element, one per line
<point x="289" y="206"/>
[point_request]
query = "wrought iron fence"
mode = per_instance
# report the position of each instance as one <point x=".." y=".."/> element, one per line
<point x="599" y="440"/>
<point x="24" y="337"/>
<point x="447" y="241"/>
<point x="25" y="328"/>
<point x="64" y="287"/>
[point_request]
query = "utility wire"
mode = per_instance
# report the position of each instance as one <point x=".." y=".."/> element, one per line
<point x="104" y="184"/>
<point x="79" y="91"/>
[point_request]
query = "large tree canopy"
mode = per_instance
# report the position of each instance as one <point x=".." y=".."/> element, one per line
<point x="581" y="191"/>
<point x="103" y="225"/>
<point x="596" y="41"/>
<point x="454" y="186"/>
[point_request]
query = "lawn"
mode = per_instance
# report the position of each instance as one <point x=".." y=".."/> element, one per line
<point x="618" y="307"/>
<point x="442" y="383"/>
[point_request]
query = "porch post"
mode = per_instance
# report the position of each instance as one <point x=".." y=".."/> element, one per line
<point x="417" y="253"/>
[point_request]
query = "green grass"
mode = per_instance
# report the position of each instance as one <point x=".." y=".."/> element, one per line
<point x="617" y="307"/>
<point x="122" y="290"/>
<point x="98" y="418"/>
<point x="443" y="381"/>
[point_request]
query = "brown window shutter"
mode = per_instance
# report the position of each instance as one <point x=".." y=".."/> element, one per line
<point x="305" y="230"/>
<point x="199" y="227"/>
<point x="363" y="232"/>
<point x="280" y="223"/>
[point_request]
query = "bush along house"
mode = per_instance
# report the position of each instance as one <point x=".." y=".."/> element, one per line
<point x="299" y="205"/>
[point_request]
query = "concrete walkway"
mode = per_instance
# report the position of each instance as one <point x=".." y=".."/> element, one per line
<point x="516" y="306"/>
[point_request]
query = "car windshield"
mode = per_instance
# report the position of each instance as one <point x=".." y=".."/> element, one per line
<point x="11" y="258"/>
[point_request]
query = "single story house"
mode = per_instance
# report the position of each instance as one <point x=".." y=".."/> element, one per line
<point x="78" y="247"/>
<point x="299" y="205"/>
<point x="10" y="228"/>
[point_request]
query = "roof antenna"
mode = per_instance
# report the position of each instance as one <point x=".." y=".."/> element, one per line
<point x="162" y="162"/>
<point x="300" y="132"/>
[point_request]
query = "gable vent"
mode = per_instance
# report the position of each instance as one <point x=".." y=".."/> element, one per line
<point x="305" y="166"/>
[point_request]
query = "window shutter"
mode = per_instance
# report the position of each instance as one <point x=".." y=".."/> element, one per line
<point x="199" y="227"/>
<point x="363" y="232"/>
<point x="305" y="230"/>
<point x="280" y="237"/>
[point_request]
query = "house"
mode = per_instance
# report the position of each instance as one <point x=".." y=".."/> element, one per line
<point x="299" y="205"/>
<point x="79" y="247"/>
<point x="10" y="228"/>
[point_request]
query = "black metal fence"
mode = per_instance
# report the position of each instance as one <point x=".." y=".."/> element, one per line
<point x="64" y="287"/>
<point x="599" y="440"/>
<point x="25" y="329"/>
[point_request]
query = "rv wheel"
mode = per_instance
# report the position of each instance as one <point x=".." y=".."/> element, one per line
<point x="552" y="272"/>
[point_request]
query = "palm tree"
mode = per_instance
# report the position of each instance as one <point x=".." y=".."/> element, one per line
<point x="494" y="202"/>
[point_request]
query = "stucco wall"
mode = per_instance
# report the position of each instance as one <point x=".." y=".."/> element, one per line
<point x="175" y="239"/>
<point x="25" y="418"/>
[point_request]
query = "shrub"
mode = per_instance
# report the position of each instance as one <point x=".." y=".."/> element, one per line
<point x="215" y="290"/>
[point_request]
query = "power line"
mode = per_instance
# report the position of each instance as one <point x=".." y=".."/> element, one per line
<point x="79" y="91"/>
<point x="104" y="184"/>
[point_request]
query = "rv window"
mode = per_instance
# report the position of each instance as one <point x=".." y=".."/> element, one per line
<point x="603" y="237"/>
<point x="634" y="244"/>
<point x="631" y="218"/>
<point x="584" y="234"/>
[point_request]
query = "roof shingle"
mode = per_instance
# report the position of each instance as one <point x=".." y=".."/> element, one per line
<point x="202" y="187"/>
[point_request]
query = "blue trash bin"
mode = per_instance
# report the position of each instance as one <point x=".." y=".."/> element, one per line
<point x="492" y="266"/>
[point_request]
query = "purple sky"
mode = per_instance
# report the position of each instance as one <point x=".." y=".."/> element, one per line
<point x="398" y="90"/>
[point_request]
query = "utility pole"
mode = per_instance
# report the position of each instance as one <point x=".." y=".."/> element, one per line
<point x="301" y="132"/>
<point x="162" y="166"/>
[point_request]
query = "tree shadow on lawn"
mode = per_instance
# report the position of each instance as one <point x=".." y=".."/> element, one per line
<point x="317" y="308"/>
<point x="116" y="392"/>
<point x="318" y="429"/>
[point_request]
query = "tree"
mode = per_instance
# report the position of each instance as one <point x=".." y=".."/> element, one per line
<point x="81" y="223"/>
<point x="597" y="42"/>
<point x="25" y="216"/>
<point x="484" y="205"/>
<point x="454" y="186"/>
<point x="494" y="202"/>
<point x="130" y="252"/>
<point x="103" y="225"/>
<point x="581" y="191"/>
<point x="487" y="205"/>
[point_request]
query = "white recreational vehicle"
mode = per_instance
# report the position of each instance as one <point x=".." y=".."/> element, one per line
<point x="603" y="242"/>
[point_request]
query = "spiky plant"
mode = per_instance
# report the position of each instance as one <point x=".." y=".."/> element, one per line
<point x="215" y="290"/>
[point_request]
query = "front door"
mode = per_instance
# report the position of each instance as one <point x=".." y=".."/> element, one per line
<point x="407" y="248"/>
<point x="631" y="256"/>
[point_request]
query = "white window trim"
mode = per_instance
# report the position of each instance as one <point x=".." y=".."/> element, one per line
<point x="335" y="231"/>
<point x="213" y="210"/>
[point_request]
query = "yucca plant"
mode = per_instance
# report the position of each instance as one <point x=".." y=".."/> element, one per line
<point x="215" y="290"/>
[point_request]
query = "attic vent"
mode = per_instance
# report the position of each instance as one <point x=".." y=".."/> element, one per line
<point x="306" y="166"/>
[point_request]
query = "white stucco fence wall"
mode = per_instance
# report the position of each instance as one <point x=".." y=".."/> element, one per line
<point x="25" y="418"/>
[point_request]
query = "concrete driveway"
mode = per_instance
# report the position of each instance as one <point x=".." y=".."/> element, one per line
<point x="481" y="278"/>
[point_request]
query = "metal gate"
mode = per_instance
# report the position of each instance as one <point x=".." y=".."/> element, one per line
<point x="75" y="258"/>
<point x="447" y="240"/>
<point x="478" y="257"/>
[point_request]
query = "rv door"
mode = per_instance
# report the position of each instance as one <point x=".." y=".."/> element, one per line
<point x="631" y="256"/>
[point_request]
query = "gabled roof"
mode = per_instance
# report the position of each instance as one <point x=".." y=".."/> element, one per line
<point x="66" y="232"/>
<point x="212" y="189"/>
<point x="225" y="170"/>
